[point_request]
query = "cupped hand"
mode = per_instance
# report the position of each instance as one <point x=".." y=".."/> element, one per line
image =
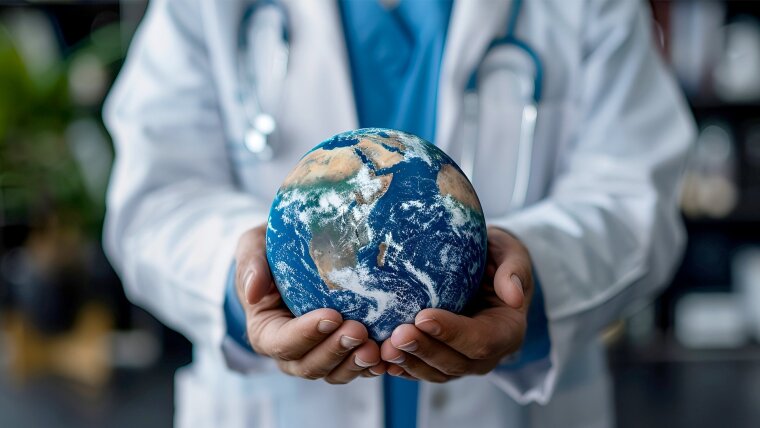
<point x="316" y="345"/>
<point x="441" y="345"/>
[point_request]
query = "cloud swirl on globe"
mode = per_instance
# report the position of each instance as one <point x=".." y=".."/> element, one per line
<point x="377" y="224"/>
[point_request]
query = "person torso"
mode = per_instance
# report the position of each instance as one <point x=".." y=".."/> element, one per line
<point x="317" y="102"/>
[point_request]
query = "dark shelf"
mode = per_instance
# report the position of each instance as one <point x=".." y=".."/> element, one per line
<point x="732" y="220"/>
<point x="714" y="104"/>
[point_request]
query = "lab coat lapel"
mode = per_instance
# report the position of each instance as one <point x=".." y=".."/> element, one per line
<point x="473" y="25"/>
<point x="319" y="93"/>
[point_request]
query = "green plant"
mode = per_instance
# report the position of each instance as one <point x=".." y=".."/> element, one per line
<point x="40" y="179"/>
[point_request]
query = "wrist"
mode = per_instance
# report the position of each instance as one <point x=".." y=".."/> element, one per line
<point x="234" y="314"/>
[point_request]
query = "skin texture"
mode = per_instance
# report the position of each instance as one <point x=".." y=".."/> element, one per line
<point x="317" y="345"/>
<point x="441" y="345"/>
<point x="438" y="347"/>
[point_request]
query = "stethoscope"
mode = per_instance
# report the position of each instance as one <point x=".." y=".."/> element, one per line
<point x="530" y="92"/>
<point x="269" y="37"/>
<point x="260" y="119"/>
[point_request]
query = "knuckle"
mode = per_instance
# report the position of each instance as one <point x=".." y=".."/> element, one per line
<point x="288" y="368"/>
<point x="457" y="369"/>
<point x="336" y="350"/>
<point x="281" y="353"/>
<point x="407" y="366"/>
<point x="311" y="373"/>
<point x="276" y="351"/>
<point x="482" y="351"/>
<point x="257" y="348"/>
<point x="253" y="339"/>
<point x="310" y="335"/>
<point x="448" y="334"/>
<point x="257" y="337"/>
<point x="423" y="352"/>
<point x="339" y="353"/>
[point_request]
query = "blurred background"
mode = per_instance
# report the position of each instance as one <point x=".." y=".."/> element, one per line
<point x="75" y="353"/>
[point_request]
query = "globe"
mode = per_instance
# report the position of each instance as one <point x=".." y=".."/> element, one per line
<point x="377" y="224"/>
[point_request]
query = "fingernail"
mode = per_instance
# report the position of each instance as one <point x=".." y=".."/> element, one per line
<point x="349" y="342"/>
<point x="429" y="326"/>
<point x="327" y="326"/>
<point x="361" y="363"/>
<point x="409" y="346"/>
<point x="396" y="374"/>
<point x="518" y="283"/>
<point x="398" y="360"/>
<point x="247" y="282"/>
<point x="374" y="373"/>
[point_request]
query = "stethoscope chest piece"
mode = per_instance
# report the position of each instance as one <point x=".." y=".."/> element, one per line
<point x="256" y="138"/>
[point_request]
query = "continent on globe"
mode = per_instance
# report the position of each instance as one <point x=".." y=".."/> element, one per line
<point x="377" y="224"/>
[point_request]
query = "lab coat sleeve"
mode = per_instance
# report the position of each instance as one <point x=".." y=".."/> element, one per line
<point x="608" y="237"/>
<point x="174" y="213"/>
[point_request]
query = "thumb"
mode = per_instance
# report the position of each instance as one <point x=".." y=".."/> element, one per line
<point x="510" y="283"/>
<point x="513" y="279"/>
<point x="252" y="277"/>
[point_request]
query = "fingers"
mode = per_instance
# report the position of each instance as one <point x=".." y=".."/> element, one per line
<point x="395" y="370"/>
<point x="291" y="338"/>
<point x="327" y="355"/>
<point x="255" y="279"/>
<point x="314" y="345"/>
<point x="362" y="361"/>
<point x="491" y="333"/>
<point x="512" y="279"/>
<point x="434" y="353"/>
<point x="317" y="345"/>
<point x="378" y="370"/>
<point x="410" y="364"/>
<point x="252" y="276"/>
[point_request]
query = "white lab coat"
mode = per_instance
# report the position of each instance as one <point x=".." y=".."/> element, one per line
<point x="601" y="219"/>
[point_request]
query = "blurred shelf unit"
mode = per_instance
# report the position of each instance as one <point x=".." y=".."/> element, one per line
<point x="713" y="48"/>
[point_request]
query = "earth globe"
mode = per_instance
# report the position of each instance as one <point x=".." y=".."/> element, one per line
<point x="377" y="224"/>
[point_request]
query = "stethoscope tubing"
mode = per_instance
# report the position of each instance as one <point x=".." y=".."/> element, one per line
<point x="528" y="117"/>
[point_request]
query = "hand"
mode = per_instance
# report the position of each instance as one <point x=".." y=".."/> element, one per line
<point x="317" y="345"/>
<point x="442" y="345"/>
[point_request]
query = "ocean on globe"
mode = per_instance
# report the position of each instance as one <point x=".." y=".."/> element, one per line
<point x="377" y="224"/>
